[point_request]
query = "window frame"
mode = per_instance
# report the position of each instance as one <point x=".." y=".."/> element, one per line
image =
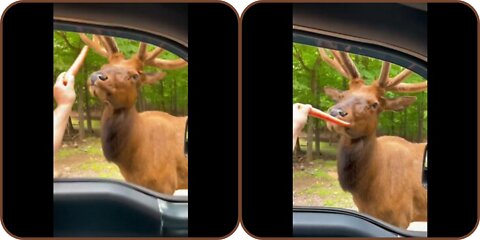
<point x="172" y="211"/>
<point x="176" y="48"/>
<point x="417" y="65"/>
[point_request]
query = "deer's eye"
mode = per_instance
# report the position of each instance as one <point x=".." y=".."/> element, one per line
<point x="374" y="105"/>
<point x="135" y="77"/>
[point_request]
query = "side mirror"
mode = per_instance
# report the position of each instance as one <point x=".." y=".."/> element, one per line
<point x="185" y="140"/>
<point x="425" y="169"/>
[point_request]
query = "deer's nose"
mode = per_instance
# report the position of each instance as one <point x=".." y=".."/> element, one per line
<point x="336" y="111"/>
<point x="98" y="76"/>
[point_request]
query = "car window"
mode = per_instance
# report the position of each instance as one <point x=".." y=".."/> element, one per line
<point x="369" y="166"/>
<point x="128" y="118"/>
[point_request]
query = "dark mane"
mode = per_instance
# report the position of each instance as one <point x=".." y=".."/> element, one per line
<point x="351" y="161"/>
<point x="115" y="133"/>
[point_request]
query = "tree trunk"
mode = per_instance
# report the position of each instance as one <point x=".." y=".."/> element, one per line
<point x="331" y="138"/>
<point x="313" y="87"/>
<point x="298" y="148"/>
<point x="309" y="140"/>
<point x="297" y="151"/>
<point x="316" y="102"/>
<point x="70" y="128"/>
<point x="317" y="137"/>
<point x="174" y="102"/>
<point x="81" y="127"/>
<point x="87" y="110"/>
<point x="420" y="119"/>
<point x="162" y="96"/>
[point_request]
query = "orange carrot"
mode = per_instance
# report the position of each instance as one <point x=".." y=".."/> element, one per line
<point x="327" y="117"/>
<point x="78" y="63"/>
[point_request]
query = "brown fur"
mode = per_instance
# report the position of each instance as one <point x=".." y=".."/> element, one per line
<point x="383" y="174"/>
<point x="148" y="147"/>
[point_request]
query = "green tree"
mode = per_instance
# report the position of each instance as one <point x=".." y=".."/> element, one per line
<point x="311" y="75"/>
<point x="169" y="95"/>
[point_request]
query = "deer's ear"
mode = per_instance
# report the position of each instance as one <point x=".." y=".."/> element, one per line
<point x="151" y="78"/>
<point x="333" y="93"/>
<point x="399" y="103"/>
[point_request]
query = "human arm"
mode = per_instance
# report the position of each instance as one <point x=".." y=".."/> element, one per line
<point x="300" y="117"/>
<point x="64" y="96"/>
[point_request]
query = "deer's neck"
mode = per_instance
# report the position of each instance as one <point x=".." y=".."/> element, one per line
<point x="117" y="131"/>
<point x="354" y="157"/>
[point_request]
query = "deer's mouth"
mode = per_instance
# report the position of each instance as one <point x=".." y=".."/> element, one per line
<point x="101" y="90"/>
<point x="342" y="130"/>
<point x="328" y="117"/>
<point x="102" y="86"/>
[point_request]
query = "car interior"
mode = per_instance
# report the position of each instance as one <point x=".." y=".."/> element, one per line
<point x="110" y="208"/>
<point x="367" y="32"/>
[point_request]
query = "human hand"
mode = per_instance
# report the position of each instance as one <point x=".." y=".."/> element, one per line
<point x="64" y="94"/>
<point x="300" y="116"/>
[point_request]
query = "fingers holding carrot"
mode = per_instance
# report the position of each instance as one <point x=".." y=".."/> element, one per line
<point x="63" y="90"/>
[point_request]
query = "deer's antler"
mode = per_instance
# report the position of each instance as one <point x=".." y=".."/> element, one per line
<point x="340" y="62"/>
<point x="383" y="79"/>
<point x="150" y="59"/>
<point x="94" y="44"/>
<point x="154" y="54"/>
<point x="409" y="87"/>
<point x="103" y="45"/>
<point x="110" y="44"/>
<point x="107" y="47"/>
<point x="395" y="84"/>
<point x="349" y="66"/>
<point x="333" y="63"/>
<point x="343" y="64"/>
<point x="167" y="64"/>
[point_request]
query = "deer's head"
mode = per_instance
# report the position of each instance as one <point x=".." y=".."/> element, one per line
<point x="361" y="104"/>
<point x="118" y="81"/>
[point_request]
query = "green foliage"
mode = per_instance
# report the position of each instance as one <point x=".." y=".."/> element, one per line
<point x="307" y="64"/>
<point x="170" y="94"/>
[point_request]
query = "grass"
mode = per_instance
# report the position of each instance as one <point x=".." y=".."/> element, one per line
<point x="316" y="183"/>
<point x="325" y="147"/>
<point x="103" y="169"/>
<point x="95" y="123"/>
<point x="85" y="160"/>
<point x="91" y="146"/>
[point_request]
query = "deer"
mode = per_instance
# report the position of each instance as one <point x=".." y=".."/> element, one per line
<point x="383" y="174"/>
<point x="147" y="146"/>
